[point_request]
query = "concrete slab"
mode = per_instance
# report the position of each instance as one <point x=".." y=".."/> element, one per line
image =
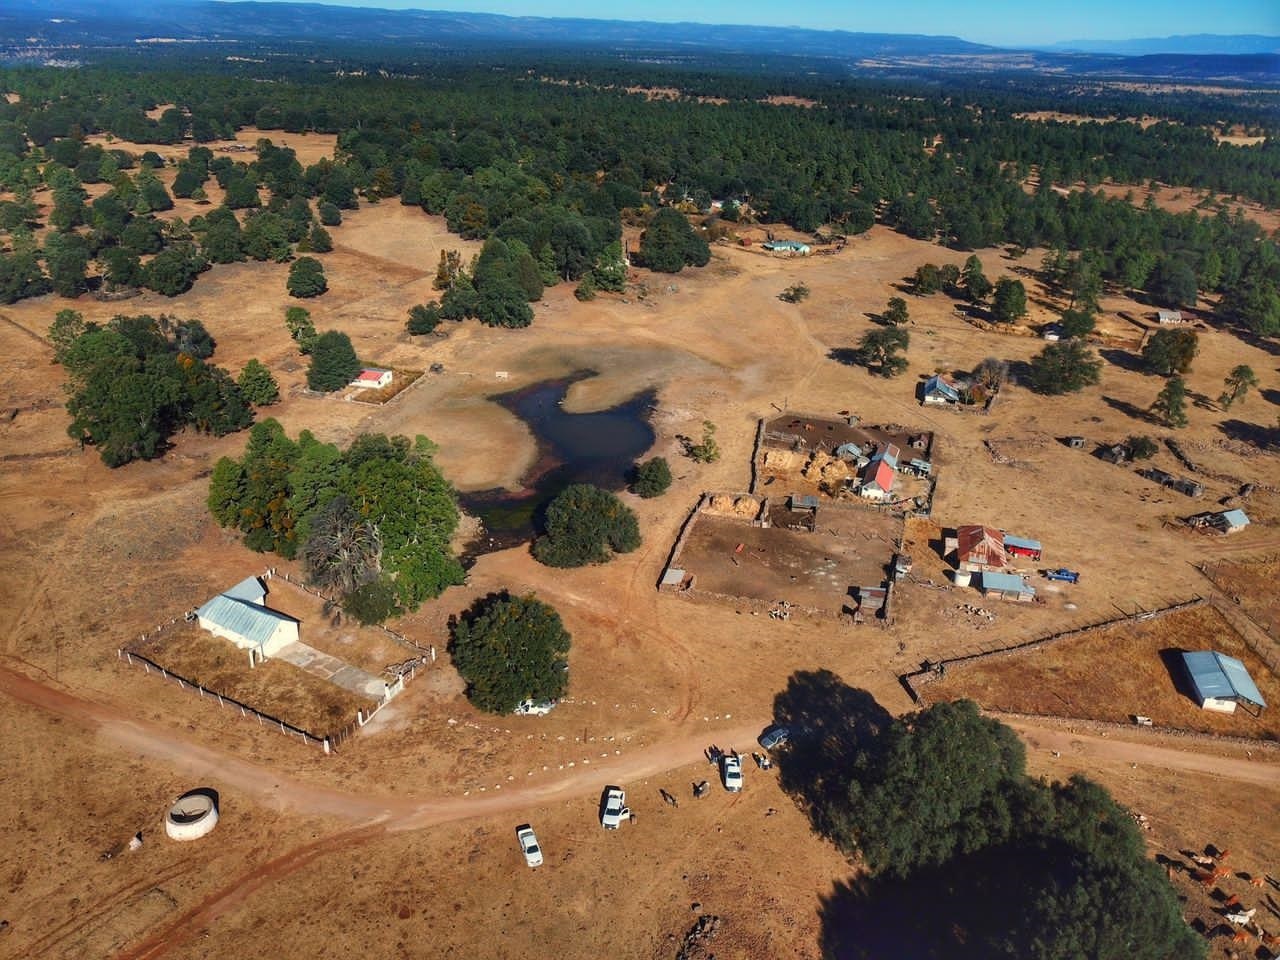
<point x="338" y="672"/>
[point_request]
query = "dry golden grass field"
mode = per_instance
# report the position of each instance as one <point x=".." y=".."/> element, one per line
<point x="401" y="843"/>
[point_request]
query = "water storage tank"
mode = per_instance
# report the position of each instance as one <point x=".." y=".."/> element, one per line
<point x="193" y="816"/>
<point x="962" y="578"/>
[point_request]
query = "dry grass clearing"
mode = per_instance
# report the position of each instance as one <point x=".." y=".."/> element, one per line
<point x="1253" y="586"/>
<point x="1117" y="672"/>
<point x="275" y="688"/>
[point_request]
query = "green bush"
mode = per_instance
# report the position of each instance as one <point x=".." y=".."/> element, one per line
<point x="586" y="525"/>
<point x="510" y="649"/>
<point x="652" y="478"/>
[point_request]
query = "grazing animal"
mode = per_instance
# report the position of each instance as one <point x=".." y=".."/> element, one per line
<point x="1256" y="881"/>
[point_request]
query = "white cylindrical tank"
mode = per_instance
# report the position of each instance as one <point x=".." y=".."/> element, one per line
<point x="193" y="816"/>
<point x="962" y="578"/>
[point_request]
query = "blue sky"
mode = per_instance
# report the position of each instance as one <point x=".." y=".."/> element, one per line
<point x="988" y="21"/>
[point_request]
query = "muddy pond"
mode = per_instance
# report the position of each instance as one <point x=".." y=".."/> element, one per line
<point x="599" y="448"/>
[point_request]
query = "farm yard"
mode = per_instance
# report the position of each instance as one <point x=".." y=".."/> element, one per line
<point x="403" y="836"/>
<point x="1115" y="673"/>
<point x="817" y="568"/>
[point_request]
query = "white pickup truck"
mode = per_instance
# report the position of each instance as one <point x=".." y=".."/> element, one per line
<point x="614" y="808"/>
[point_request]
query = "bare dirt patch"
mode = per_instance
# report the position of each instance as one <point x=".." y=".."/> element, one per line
<point x="1117" y="672"/>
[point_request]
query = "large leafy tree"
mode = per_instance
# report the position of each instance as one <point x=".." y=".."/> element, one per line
<point x="257" y="384"/>
<point x="1064" y="367"/>
<point x="652" y="478"/>
<point x="669" y="243"/>
<point x="1010" y="300"/>
<point x="879" y="349"/>
<point x="1171" y="351"/>
<point x="586" y="525"/>
<point x="344" y="549"/>
<point x="334" y="363"/>
<point x="976" y="285"/>
<point x="1170" y="405"/>
<point x="1237" y="383"/>
<point x="509" y="649"/>
<point x="306" y="278"/>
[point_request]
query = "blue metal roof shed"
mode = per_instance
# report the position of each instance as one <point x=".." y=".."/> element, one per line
<point x="1021" y="543"/>
<point x="1006" y="583"/>
<point x="1235" y="519"/>
<point x="1215" y="676"/>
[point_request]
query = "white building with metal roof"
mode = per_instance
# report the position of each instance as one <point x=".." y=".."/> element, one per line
<point x="1220" y="682"/>
<point x="241" y="616"/>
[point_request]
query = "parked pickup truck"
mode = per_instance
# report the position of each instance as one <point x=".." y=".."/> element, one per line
<point x="1062" y="573"/>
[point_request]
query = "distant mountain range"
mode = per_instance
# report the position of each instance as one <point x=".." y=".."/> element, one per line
<point x="69" y="30"/>
<point x="1194" y="44"/>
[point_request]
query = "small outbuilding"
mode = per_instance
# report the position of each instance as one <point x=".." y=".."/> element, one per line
<point x="849" y="451"/>
<point x="1007" y="586"/>
<point x="1022" y="547"/>
<point x="980" y="548"/>
<point x="792" y="247"/>
<point x="242" y="616"/>
<point x="1230" y="521"/>
<point x="1052" y="332"/>
<point x="939" y="391"/>
<point x="1221" y="683"/>
<point x="372" y="378"/>
<point x="1169" y="316"/>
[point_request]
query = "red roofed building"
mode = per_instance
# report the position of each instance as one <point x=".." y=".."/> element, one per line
<point x="877" y="480"/>
<point x="372" y="377"/>
<point x="980" y="548"/>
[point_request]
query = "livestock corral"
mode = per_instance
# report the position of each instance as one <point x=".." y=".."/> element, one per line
<point x="837" y="459"/>
<point x="824" y="559"/>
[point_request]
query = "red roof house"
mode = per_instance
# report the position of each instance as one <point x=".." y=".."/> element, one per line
<point x="877" y="480"/>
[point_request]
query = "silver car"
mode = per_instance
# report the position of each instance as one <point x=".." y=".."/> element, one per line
<point x="529" y="845"/>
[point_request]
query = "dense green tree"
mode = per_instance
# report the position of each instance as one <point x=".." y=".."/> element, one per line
<point x="424" y="318"/>
<point x="330" y="215"/>
<point x="926" y="280"/>
<point x="707" y="450"/>
<point x="896" y="826"/>
<point x="610" y="270"/>
<point x="1238" y="383"/>
<point x="152" y="191"/>
<point x="333" y="362"/>
<point x="797" y="293"/>
<point x="373" y="602"/>
<point x="67" y="258"/>
<point x="1171" y="351"/>
<point x="651" y="478"/>
<point x="1173" y="283"/>
<point x="306" y="278"/>
<point x="895" y="313"/>
<point x="319" y="240"/>
<point x="510" y="649"/>
<point x="142" y="235"/>
<point x="585" y="290"/>
<point x="121" y="269"/>
<point x="1170" y="405"/>
<point x="879" y="349"/>
<point x="1065" y="367"/>
<point x="174" y="270"/>
<point x="586" y="525"/>
<point x="21" y="276"/>
<point x="1255" y="303"/>
<point x="1076" y="323"/>
<point x="1010" y="300"/>
<point x="191" y="337"/>
<point x="976" y="285"/>
<point x="1141" y="447"/>
<point x="669" y="243"/>
<point x="257" y="384"/>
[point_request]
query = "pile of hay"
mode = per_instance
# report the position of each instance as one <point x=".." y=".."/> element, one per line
<point x="745" y="508"/>
<point x="825" y="470"/>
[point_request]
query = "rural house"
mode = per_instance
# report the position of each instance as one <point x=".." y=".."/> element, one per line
<point x="938" y="390"/>
<point x="877" y="480"/>
<point x="372" y="378"/>
<point x="1220" y="683"/>
<point x="242" y="616"/>
<point x="980" y="548"/>
<point x="1007" y="586"/>
<point x="1022" y="547"/>
<point x="1169" y="316"/>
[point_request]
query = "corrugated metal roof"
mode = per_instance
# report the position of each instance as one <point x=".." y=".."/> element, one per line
<point x="979" y="544"/>
<point x="851" y="450"/>
<point x="1006" y="583"/>
<point x="804" y="502"/>
<point x="250" y="589"/>
<point x="1235" y="518"/>
<point x="937" y="384"/>
<point x="1023" y="542"/>
<point x="248" y="620"/>
<point x="1221" y="677"/>
<point x="673" y="577"/>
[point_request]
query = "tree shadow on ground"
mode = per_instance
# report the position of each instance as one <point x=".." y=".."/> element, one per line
<point x="1124" y="360"/>
<point x="1270" y="395"/>
<point x="849" y="356"/>
<point x="1125" y="407"/>
<point x="1260" y="435"/>
<point x="829" y="722"/>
